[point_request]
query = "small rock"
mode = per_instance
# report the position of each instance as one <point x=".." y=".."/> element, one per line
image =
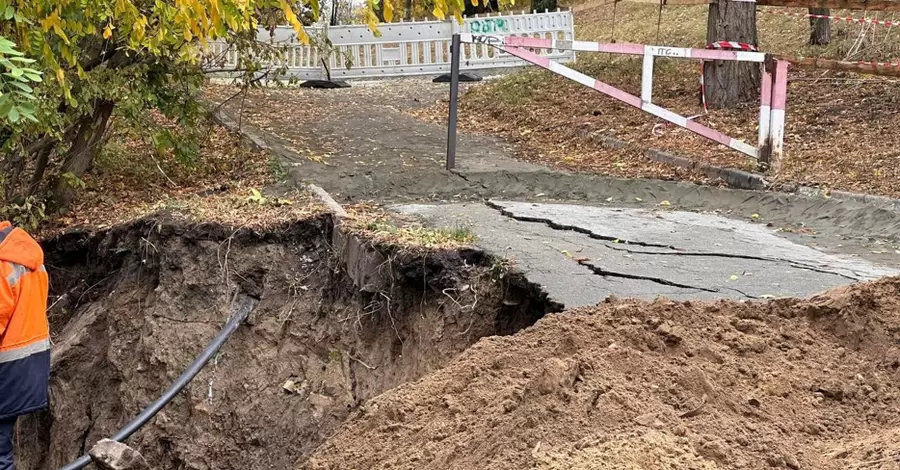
<point x="295" y="387"/>
<point x="509" y="405"/>
<point x="582" y="443"/>
<point x="645" y="419"/>
<point x="830" y="389"/>
<point x="791" y="462"/>
<point x="111" y="455"/>
<point x="775" y="460"/>
<point x="814" y="429"/>
<point x="753" y="402"/>
<point x="680" y="431"/>
<point x="743" y="325"/>
<point x="669" y="334"/>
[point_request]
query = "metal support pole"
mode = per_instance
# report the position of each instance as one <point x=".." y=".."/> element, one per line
<point x="455" y="52"/>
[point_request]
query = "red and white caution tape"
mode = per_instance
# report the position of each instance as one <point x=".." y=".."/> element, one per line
<point x="833" y="18"/>
<point x="722" y="45"/>
<point x="878" y="64"/>
<point x="732" y="46"/>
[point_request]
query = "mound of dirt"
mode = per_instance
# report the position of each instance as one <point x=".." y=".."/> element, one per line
<point x="797" y="384"/>
<point x="136" y="303"/>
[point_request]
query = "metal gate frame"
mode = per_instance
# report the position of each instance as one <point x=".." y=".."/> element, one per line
<point x="773" y="94"/>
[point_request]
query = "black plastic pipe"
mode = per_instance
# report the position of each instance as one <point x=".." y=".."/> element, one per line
<point x="244" y="307"/>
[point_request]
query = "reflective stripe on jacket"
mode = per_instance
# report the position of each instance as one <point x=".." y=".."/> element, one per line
<point x="24" y="330"/>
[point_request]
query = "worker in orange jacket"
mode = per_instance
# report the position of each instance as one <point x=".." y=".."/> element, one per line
<point x="24" y="333"/>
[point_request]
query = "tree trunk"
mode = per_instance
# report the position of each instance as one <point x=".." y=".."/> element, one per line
<point x="484" y="6"/>
<point x="819" y="28"/>
<point x="541" y="6"/>
<point x="729" y="82"/>
<point x="379" y="10"/>
<point x="85" y="144"/>
<point x="40" y="167"/>
<point x="408" y="10"/>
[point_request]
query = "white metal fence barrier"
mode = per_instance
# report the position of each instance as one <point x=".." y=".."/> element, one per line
<point x="403" y="49"/>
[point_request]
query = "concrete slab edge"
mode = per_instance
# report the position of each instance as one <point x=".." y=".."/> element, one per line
<point x="336" y="210"/>
<point x="740" y="179"/>
<point x="734" y="178"/>
<point x="868" y="199"/>
<point x="256" y="141"/>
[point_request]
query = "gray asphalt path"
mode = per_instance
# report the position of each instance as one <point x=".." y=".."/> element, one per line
<point x="583" y="254"/>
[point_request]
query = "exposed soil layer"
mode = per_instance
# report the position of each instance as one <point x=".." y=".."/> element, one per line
<point x="799" y="384"/>
<point x="140" y="301"/>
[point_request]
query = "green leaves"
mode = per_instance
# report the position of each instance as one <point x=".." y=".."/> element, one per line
<point x="16" y="94"/>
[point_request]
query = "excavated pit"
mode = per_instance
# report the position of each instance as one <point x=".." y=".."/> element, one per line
<point x="134" y="304"/>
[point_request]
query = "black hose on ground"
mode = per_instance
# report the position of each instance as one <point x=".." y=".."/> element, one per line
<point x="245" y="305"/>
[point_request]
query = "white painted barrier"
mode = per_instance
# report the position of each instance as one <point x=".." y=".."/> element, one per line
<point x="405" y="49"/>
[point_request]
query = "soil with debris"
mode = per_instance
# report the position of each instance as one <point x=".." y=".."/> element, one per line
<point x="796" y="384"/>
<point x="134" y="304"/>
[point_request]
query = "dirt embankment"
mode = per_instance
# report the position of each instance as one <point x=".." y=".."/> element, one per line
<point x="140" y="301"/>
<point x="796" y="384"/>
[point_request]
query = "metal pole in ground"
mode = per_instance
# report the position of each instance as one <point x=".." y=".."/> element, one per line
<point x="455" y="52"/>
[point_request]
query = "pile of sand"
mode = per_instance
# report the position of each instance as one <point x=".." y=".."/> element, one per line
<point x="811" y="384"/>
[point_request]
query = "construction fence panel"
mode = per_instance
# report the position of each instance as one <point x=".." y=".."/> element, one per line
<point x="402" y="49"/>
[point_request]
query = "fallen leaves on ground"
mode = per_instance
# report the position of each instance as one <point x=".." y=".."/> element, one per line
<point x="840" y="126"/>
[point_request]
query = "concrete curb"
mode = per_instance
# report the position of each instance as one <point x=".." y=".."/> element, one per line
<point x="365" y="265"/>
<point x="335" y="208"/>
<point x="734" y="178"/>
<point x="256" y="141"/>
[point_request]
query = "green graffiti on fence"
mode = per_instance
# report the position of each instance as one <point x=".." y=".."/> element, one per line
<point x="488" y="25"/>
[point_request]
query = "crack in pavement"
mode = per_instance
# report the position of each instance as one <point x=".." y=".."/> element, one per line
<point x="467" y="180"/>
<point x="675" y="250"/>
<point x="603" y="272"/>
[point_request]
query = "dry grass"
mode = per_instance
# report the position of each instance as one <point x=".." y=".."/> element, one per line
<point x="839" y="126"/>
<point x="132" y="179"/>
<point x="388" y="228"/>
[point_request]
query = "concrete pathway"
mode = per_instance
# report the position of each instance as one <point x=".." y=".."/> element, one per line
<point x="583" y="254"/>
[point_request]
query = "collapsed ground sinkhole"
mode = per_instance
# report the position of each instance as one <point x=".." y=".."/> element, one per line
<point x="134" y="304"/>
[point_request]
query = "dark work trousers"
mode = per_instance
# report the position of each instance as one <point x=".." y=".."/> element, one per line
<point x="7" y="427"/>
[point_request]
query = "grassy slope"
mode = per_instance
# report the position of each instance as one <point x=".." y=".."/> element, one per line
<point x="840" y="126"/>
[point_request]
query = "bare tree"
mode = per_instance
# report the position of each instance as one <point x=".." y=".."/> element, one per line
<point x="729" y="82"/>
<point x="819" y="28"/>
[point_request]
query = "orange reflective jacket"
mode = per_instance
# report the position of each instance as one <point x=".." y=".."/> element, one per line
<point x="24" y="331"/>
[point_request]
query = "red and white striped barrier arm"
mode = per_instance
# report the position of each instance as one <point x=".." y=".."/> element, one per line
<point x="848" y="19"/>
<point x="774" y="86"/>
<point x="746" y="55"/>
<point x="632" y="100"/>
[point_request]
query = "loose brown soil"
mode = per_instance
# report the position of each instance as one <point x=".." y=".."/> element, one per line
<point x="134" y="304"/>
<point x="811" y="384"/>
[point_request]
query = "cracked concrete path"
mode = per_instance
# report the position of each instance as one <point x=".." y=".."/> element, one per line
<point x="583" y="254"/>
